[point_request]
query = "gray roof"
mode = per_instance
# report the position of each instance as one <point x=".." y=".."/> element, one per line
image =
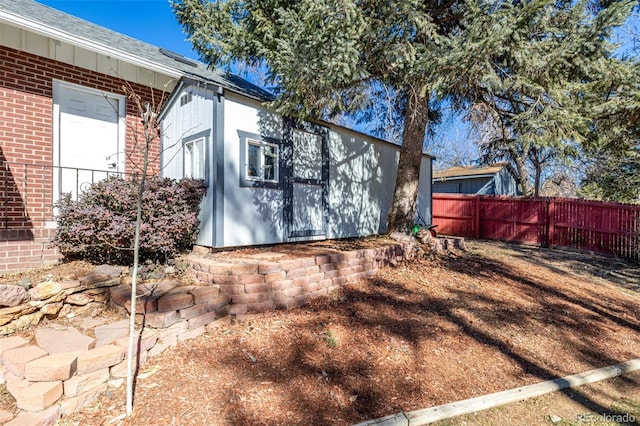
<point x="71" y="25"/>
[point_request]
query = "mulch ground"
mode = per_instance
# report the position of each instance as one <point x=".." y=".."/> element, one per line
<point x="434" y="331"/>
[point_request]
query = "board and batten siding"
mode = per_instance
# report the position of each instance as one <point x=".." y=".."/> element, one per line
<point x="180" y="124"/>
<point x="362" y="172"/>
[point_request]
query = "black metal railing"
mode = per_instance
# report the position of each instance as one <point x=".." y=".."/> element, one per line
<point x="28" y="192"/>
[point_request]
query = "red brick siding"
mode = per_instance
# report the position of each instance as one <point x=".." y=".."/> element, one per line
<point x="25" y="195"/>
<point x="26" y="136"/>
<point x="23" y="249"/>
<point x="26" y="105"/>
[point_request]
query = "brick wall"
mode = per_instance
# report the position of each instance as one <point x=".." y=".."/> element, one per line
<point x="26" y="248"/>
<point x="26" y="136"/>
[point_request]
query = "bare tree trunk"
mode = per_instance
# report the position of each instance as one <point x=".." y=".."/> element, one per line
<point x="150" y="125"/>
<point x="405" y="194"/>
<point x="537" y="161"/>
<point x="134" y="286"/>
<point x="537" y="178"/>
<point x="523" y="173"/>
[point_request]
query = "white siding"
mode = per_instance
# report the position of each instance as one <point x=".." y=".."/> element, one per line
<point x="251" y="215"/>
<point x="362" y="175"/>
<point x="17" y="38"/>
<point x="10" y="37"/>
<point x="362" y="172"/>
<point x="424" y="194"/>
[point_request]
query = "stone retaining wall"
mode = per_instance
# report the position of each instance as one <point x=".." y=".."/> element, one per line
<point x="23" y="306"/>
<point x="61" y="369"/>
<point x="256" y="286"/>
<point x="168" y="302"/>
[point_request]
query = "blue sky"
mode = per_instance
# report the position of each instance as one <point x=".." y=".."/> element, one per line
<point x="147" y="20"/>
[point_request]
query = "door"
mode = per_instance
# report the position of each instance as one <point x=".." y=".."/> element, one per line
<point x="88" y="137"/>
<point x="307" y="178"/>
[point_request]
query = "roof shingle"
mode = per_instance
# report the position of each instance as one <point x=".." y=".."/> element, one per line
<point x="84" y="30"/>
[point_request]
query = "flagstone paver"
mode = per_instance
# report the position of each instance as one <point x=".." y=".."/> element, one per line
<point x="102" y="357"/>
<point x="47" y="417"/>
<point x="67" y="339"/>
<point x="51" y="367"/>
<point x="7" y="343"/>
<point x="109" y="333"/>
<point x="34" y="396"/>
<point x="5" y="416"/>
<point x="85" y="382"/>
<point x="15" y="359"/>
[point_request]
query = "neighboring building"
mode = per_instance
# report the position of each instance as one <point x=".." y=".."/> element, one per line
<point x="495" y="179"/>
<point x="65" y="122"/>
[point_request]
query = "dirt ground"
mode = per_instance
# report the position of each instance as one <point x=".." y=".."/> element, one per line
<point x="435" y="331"/>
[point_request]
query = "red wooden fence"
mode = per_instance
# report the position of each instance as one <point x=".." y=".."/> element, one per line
<point x="607" y="228"/>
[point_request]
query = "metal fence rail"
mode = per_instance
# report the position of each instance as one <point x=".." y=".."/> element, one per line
<point x="601" y="227"/>
<point x="28" y="192"/>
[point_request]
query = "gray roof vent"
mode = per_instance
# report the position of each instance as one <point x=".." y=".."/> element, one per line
<point x="178" y="57"/>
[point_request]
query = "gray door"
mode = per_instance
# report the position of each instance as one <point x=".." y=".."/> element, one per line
<point x="307" y="177"/>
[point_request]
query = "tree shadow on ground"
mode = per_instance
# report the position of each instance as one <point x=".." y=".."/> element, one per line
<point x="622" y="272"/>
<point x="411" y="337"/>
<point x="390" y="313"/>
<point x="484" y="266"/>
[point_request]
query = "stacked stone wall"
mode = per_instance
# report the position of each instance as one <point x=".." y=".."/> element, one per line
<point x="61" y="369"/>
<point x="255" y="286"/>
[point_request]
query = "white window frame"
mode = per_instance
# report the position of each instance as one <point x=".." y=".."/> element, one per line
<point x="261" y="159"/>
<point x="194" y="165"/>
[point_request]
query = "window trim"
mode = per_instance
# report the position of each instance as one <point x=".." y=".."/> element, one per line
<point x="193" y="139"/>
<point x="261" y="145"/>
<point x="193" y="143"/>
<point x="247" y="181"/>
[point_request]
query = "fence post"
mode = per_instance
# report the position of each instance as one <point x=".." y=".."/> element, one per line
<point x="476" y="218"/>
<point x="551" y="225"/>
